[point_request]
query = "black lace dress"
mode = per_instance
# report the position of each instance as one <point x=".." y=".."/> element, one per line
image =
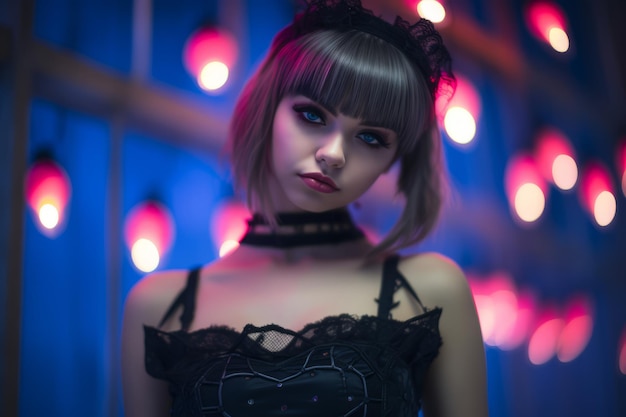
<point x="343" y="365"/>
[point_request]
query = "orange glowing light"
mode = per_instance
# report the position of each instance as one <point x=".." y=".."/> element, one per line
<point x="148" y="231"/>
<point x="525" y="188"/>
<point x="555" y="159"/>
<point x="543" y="342"/>
<point x="431" y="10"/>
<point x="48" y="190"/>
<point x="547" y="22"/>
<point x="597" y="194"/>
<point x="577" y="330"/>
<point x="208" y="55"/>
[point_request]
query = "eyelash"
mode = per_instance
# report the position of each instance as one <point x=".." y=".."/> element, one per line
<point x="379" y="140"/>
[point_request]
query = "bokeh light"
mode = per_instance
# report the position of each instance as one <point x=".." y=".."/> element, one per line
<point x="558" y="39"/>
<point x="597" y="195"/>
<point x="547" y="22"/>
<point x="213" y="76"/>
<point x="49" y="216"/>
<point x="460" y="125"/>
<point x="228" y="225"/>
<point x="604" y="208"/>
<point x="555" y="158"/>
<point x="460" y="113"/>
<point x="227" y="247"/>
<point x="503" y="314"/>
<point x="544" y="339"/>
<point x="48" y="191"/>
<point x="209" y="55"/>
<point x="145" y="255"/>
<point x="526" y="189"/>
<point x="564" y="172"/>
<point x="148" y="232"/>
<point x="431" y="10"/>
<point x="529" y="202"/>
<point x="577" y="330"/>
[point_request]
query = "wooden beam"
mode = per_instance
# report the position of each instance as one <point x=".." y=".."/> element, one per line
<point x="164" y="113"/>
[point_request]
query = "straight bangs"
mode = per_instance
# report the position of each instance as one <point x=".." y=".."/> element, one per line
<point x="361" y="76"/>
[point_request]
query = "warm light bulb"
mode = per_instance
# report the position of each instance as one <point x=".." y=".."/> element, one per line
<point x="431" y="10"/>
<point x="604" y="208"/>
<point x="558" y="39"/>
<point x="460" y="125"/>
<point x="49" y="216"/>
<point x="529" y="202"/>
<point x="564" y="172"/>
<point x="227" y="247"/>
<point x="145" y="255"/>
<point x="213" y="76"/>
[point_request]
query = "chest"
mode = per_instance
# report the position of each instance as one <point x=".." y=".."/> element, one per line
<point x="290" y="297"/>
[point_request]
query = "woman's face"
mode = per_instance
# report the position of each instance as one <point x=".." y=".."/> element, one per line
<point x="322" y="159"/>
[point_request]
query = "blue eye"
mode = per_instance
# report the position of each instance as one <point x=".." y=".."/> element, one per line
<point x="311" y="116"/>
<point x="373" y="140"/>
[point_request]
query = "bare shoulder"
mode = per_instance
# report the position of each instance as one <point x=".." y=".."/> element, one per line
<point x="437" y="279"/>
<point x="151" y="296"/>
<point x="456" y="381"/>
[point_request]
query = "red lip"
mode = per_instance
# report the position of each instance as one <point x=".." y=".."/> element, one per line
<point x="321" y="178"/>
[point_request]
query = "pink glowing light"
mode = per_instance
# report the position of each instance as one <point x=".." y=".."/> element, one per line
<point x="555" y="159"/>
<point x="547" y="22"/>
<point x="596" y="193"/>
<point x="544" y="339"/>
<point x="577" y="330"/>
<point x="526" y="189"/>
<point x="209" y="54"/>
<point x="148" y="232"/>
<point x="228" y="225"/>
<point x="504" y="316"/>
<point x="460" y="113"/>
<point x="48" y="191"/>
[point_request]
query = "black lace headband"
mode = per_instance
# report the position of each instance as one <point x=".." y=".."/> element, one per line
<point x="420" y="42"/>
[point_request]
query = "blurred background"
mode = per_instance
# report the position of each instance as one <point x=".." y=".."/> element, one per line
<point x="113" y="118"/>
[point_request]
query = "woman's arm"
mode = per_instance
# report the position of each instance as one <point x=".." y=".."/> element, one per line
<point x="456" y="384"/>
<point x="143" y="394"/>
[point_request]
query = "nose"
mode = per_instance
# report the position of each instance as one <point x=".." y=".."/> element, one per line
<point x="331" y="152"/>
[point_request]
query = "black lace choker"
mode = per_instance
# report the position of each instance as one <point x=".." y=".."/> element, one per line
<point x="302" y="229"/>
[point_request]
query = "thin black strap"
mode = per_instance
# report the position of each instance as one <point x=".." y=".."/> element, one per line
<point x="392" y="280"/>
<point x="187" y="299"/>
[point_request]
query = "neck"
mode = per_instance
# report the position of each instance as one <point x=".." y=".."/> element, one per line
<point x="302" y="229"/>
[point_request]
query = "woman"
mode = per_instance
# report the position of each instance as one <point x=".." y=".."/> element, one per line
<point x="307" y="317"/>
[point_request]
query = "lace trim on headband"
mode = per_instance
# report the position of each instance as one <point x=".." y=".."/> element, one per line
<point x="420" y="41"/>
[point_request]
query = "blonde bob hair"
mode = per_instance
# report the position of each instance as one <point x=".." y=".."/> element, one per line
<point x="359" y="75"/>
